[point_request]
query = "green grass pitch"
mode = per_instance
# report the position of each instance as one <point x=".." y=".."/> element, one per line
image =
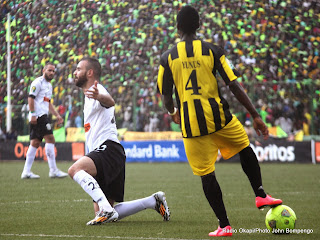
<point x="48" y="209"/>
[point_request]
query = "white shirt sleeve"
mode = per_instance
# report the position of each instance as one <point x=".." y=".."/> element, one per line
<point x="35" y="88"/>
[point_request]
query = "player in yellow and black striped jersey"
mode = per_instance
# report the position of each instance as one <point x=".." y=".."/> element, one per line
<point x="191" y="68"/>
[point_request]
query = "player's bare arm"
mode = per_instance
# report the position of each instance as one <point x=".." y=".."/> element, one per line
<point x="105" y="99"/>
<point x="242" y="97"/>
<point x="55" y="113"/>
<point x="32" y="110"/>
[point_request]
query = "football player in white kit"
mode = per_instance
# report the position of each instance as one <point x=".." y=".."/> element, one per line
<point x="101" y="172"/>
<point x="39" y="106"/>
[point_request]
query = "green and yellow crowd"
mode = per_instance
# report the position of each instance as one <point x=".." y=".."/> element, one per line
<point x="274" y="44"/>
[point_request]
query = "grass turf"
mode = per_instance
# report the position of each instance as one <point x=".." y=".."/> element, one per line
<point x="59" y="208"/>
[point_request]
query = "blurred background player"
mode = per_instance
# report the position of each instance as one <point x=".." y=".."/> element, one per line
<point x="101" y="173"/>
<point x="39" y="106"/>
<point x="207" y="125"/>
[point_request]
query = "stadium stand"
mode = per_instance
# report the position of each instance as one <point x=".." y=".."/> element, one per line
<point x="274" y="44"/>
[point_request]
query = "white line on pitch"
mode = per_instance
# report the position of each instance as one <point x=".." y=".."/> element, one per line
<point x="274" y="193"/>
<point x="50" y="201"/>
<point x="84" y="236"/>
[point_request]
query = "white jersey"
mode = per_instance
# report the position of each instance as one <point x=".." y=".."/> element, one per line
<point x="99" y="122"/>
<point x="41" y="90"/>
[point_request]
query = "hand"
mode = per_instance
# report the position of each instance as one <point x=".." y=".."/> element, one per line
<point x="176" y="118"/>
<point x="33" y="120"/>
<point x="59" y="119"/>
<point x="260" y="128"/>
<point x="94" y="92"/>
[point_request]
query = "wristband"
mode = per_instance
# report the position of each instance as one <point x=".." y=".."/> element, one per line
<point x="174" y="112"/>
<point x="33" y="113"/>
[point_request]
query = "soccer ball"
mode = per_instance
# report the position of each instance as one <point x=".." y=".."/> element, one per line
<point x="280" y="219"/>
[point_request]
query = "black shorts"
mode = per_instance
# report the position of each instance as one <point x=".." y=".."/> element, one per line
<point x="41" y="129"/>
<point x="110" y="159"/>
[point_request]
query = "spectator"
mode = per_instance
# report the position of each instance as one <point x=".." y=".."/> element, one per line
<point x="78" y="120"/>
<point x="154" y="122"/>
<point x="127" y="123"/>
<point x="11" y="135"/>
<point x="285" y="123"/>
<point x="276" y="42"/>
<point x="2" y="135"/>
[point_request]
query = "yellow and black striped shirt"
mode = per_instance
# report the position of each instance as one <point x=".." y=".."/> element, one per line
<point x="192" y="66"/>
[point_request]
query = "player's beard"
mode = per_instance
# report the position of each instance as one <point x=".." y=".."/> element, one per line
<point x="47" y="77"/>
<point x="82" y="80"/>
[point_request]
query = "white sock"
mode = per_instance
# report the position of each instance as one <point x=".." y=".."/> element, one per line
<point x="31" y="154"/>
<point x="90" y="186"/>
<point x="125" y="209"/>
<point x="51" y="156"/>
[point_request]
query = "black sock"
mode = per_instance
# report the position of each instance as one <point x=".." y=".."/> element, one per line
<point x="250" y="166"/>
<point x="213" y="194"/>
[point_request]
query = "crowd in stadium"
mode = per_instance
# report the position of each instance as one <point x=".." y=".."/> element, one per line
<point x="274" y="44"/>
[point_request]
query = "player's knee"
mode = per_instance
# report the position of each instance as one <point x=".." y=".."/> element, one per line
<point x="72" y="171"/>
<point x="35" y="143"/>
<point x="247" y="154"/>
<point x="50" y="139"/>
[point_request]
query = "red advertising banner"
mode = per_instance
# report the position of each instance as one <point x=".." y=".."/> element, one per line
<point x="77" y="150"/>
<point x="317" y="151"/>
<point x="12" y="150"/>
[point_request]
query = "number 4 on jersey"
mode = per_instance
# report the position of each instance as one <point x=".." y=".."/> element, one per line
<point x="192" y="80"/>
